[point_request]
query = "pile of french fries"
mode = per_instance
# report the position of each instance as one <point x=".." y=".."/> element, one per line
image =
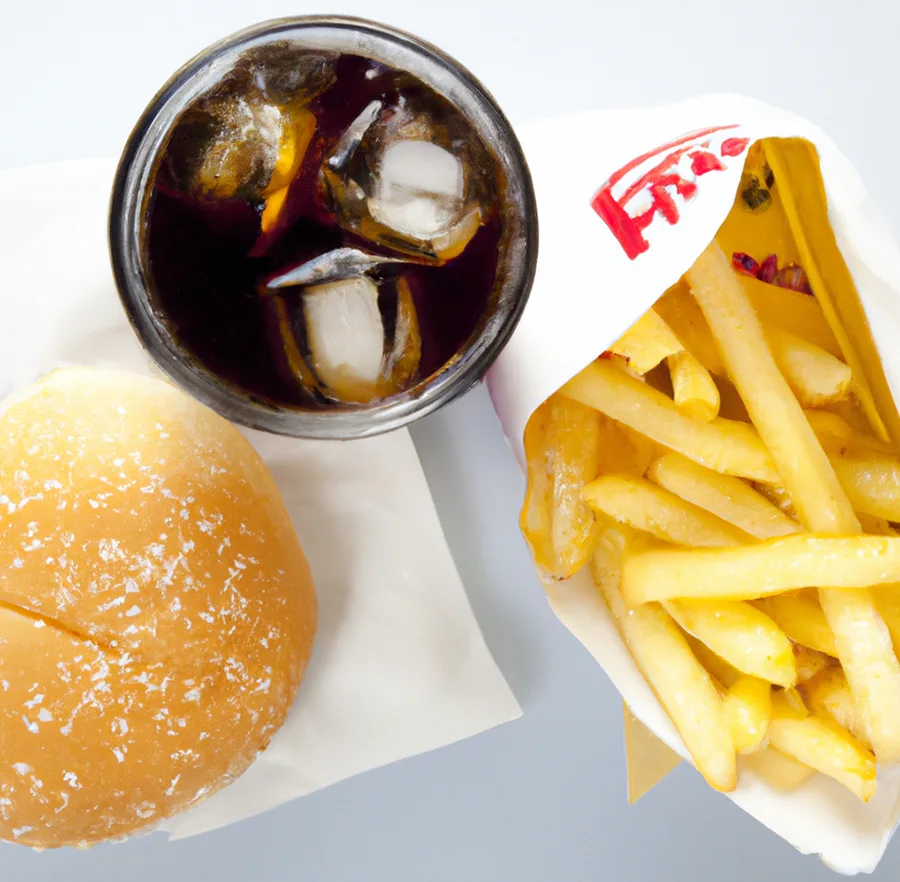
<point x="736" y="509"/>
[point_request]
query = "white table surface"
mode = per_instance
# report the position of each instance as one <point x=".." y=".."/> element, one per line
<point x="544" y="798"/>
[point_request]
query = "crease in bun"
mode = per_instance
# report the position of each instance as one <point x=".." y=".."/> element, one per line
<point x="157" y="613"/>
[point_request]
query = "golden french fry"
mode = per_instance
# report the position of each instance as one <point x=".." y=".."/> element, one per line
<point x="536" y="519"/>
<point x="871" y="482"/>
<point x="641" y="451"/>
<point x="576" y="450"/>
<point x="863" y="443"/>
<point x="765" y="568"/>
<point x="850" y="411"/>
<point x="862" y="639"/>
<point x="815" y="373"/>
<point x="772" y="406"/>
<point x="722" y="445"/>
<point x="681" y="683"/>
<point x="685" y="318"/>
<point x="867" y="656"/>
<point x="809" y="662"/>
<point x="832" y="430"/>
<point x="788" y="703"/>
<point x="725" y="496"/>
<point x="802" y="619"/>
<point x="647" y="343"/>
<point x="783" y="308"/>
<point x="779" y="497"/>
<point x="563" y="447"/>
<point x="723" y="673"/>
<point x="815" y="377"/>
<point x="828" y="695"/>
<point x="824" y="746"/>
<point x="748" y="709"/>
<point x="778" y="770"/>
<point x="740" y="634"/>
<point x="693" y="390"/>
<point x="645" y="506"/>
<point x="792" y="311"/>
<point x="887" y="599"/>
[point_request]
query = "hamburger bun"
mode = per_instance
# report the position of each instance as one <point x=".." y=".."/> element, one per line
<point x="157" y="613"/>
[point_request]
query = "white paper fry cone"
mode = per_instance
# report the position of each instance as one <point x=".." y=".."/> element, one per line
<point x="399" y="666"/>
<point x="625" y="207"/>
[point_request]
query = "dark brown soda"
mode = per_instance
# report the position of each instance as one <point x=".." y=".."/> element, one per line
<point x="208" y="256"/>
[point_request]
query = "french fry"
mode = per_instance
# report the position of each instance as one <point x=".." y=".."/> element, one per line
<point x="833" y="432"/>
<point x="772" y="406"/>
<point x="723" y="673"/>
<point x="809" y="662"/>
<point x="815" y="377"/>
<point x="824" y="746"/>
<point x="863" y="641"/>
<point x="776" y="769"/>
<point x="685" y="318"/>
<point x="828" y="695"/>
<point x="576" y="454"/>
<point x="742" y="635"/>
<point x="536" y="520"/>
<point x="850" y="411"/>
<point x="681" y="683"/>
<point x="563" y="447"/>
<point x="727" y="497"/>
<point x="647" y="343"/>
<point x="815" y="371"/>
<point x="693" y="390"/>
<point x="871" y="482"/>
<point x="788" y="703"/>
<point x="765" y="568"/>
<point x="862" y="442"/>
<point x="748" y="709"/>
<point x="779" y="497"/>
<point x="887" y="599"/>
<point x="793" y="311"/>
<point x="641" y="451"/>
<point x="722" y="445"/>
<point x="645" y="506"/>
<point x="802" y="619"/>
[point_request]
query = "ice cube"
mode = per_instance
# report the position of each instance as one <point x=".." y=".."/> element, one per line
<point x="407" y="177"/>
<point x="354" y="341"/>
<point x="418" y="190"/>
<point x="246" y="139"/>
<point x="225" y="147"/>
<point x="345" y="335"/>
<point x="285" y="73"/>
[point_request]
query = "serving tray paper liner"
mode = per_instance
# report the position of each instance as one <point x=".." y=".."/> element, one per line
<point x="399" y="665"/>
<point x="595" y="279"/>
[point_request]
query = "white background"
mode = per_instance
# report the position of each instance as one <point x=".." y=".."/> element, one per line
<point x="544" y="798"/>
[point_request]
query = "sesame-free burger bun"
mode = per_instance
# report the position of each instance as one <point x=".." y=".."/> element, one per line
<point x="156" y="610"/>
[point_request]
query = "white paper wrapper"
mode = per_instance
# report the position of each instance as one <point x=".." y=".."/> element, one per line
<point x="399" y="666"/>
<point x="589" y="290"/>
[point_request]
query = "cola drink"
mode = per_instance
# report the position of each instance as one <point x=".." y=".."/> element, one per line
<point x="300" y="166"/>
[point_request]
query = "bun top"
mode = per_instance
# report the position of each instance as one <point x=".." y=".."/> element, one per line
<point x="156" y="610"/>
